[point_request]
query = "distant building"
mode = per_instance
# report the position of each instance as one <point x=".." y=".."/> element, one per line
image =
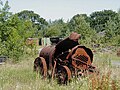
<point x="43" y="41"/>
<point x="31" y="41"/>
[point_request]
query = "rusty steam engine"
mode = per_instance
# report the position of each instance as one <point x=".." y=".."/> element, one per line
<point x="64" y="59"/>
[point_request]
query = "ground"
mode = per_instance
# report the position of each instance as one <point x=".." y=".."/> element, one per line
<point x="20" y="76"/>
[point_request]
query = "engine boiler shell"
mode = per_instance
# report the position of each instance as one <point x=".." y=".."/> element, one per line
<point x="48" y="54"/>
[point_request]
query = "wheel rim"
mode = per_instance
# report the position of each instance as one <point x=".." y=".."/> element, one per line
<point x="63" y="75"/>
<point x="40" y="66"/>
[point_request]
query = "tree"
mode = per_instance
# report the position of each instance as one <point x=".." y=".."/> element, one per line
<point x="56" y="28"/>
<point x="38" y="22"/>
<point x="78" y="24"/>
<point x="4" y="32"/>
<point x="112" y="30"/>
<point x="33" y="17"/>
<point x="14" y="33"/>
<point x="4" y="16"/>
<point x="4" y="11"/>
<point x="99" y="18"/>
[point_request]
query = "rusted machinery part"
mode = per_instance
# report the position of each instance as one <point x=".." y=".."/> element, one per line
<point x="92" y="70"/>
<point x="44" y="66"/>
<point x="68" y="72"/>
<point x="74" y="36"/>
<point x="76" y="62"/>
<point x="36" y="64"/>
<point x="40" y="66"/>
<point x="53" y="71"/>
<point x="79" y="64"/>
<point x="81" y="56"/>
<point x="67" y="44"/>
<point x="63" y="75"/>
<point x="46" y="51"/>
<point x="87" y="51"/>
<point x="48" y="54"/>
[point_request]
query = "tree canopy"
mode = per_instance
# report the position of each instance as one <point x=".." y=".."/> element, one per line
<point x="99" y="18"/>
<point x="16" y="28"/>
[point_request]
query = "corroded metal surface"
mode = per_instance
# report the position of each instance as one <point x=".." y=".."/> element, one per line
<point x="67" y="57"/>
<point x="40" y="66"/>
<point x="48" y="54"/>
<point x="68" y="72"/>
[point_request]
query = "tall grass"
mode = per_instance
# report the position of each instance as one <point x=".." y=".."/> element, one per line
<point x="20" y="76"/>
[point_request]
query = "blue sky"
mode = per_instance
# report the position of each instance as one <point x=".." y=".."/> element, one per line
<point x="66" y="9"/>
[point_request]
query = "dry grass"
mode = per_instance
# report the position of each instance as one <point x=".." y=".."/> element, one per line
<point x="20" y="76"/>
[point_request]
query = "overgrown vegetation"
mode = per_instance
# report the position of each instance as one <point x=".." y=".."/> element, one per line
<point x="99" y="28"/>
<point x="99" y="31"/>
<point x="20" y="76"/>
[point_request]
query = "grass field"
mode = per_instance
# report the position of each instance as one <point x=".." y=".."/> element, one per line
<point x="20" y="76"/>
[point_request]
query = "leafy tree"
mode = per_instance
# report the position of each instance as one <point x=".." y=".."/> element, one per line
<point x="87" y="18"/>
<point x="16" y="31"/>
<point x="4" y="11"/>
<point x="56" y="28"/>
<point x="99" y="18"/>
<point x="38" y="22"/>
<point x="52" y="30"/>
<point x="24" y="28"/>
<point x="13" y="33"/>
<point x="112" y="29"/>
<point x="33" y="17"/>
<point x="4" y="16"/>
<point x="78" y="24"/>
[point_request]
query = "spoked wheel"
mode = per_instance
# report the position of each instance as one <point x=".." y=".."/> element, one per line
<point x="40" y="66"/>
<point x="63" y="75"/>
